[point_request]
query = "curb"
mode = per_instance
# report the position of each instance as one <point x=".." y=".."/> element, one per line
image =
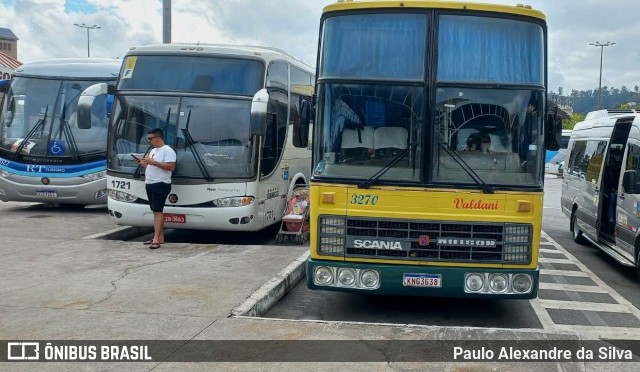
<point x="121" y="233"/>
<point x="263" y="299"/>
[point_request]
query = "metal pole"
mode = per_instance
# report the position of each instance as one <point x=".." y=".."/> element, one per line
<point x="601" y="45"/>
<point x="94" y="27"/>
<point x="166" y="21"/>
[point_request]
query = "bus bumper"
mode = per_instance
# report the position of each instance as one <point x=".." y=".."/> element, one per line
<point x="72" y="190"/>
<point x="223" y="219"/>
<point x="392" y="280"/>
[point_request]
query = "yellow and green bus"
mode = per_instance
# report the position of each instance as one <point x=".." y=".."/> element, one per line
<point x="429" y="145"/>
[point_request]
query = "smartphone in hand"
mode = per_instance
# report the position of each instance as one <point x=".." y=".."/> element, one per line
<point x="135" y="157"/>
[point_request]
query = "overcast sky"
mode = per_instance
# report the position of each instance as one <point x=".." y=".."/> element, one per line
<point x="46" y="30"/>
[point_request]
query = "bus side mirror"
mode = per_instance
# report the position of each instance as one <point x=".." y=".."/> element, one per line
<point x="630" y="182"/>
<point x="5" y="85"/>
<point x="553" y="131"/>
<point x="259" y="106"/>
<point x="85" y="104"/>
<point x="301" y="127"/>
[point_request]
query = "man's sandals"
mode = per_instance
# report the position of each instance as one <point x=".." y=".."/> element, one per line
<point x="152" y="245"/>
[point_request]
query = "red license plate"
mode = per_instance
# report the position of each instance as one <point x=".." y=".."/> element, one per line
<point x="175" y="218"/>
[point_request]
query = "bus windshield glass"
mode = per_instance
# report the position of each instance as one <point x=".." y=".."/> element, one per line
<point x="497" y="132"/>
<point x="39" y="120"/>
<point x="192" y="74"/>
<point x="211" y="137"/>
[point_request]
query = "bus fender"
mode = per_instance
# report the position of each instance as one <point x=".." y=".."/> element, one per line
<point x="297" y="180"/>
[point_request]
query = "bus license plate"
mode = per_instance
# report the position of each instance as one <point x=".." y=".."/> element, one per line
<point x="422" y="280"/>
<point x="47" y="193"/>
<point x="175" y="218"/>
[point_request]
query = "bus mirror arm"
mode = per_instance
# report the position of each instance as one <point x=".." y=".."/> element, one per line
<point x="85" y="104"/>
<point x="259" y="106"/>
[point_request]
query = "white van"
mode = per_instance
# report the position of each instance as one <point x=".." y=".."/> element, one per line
<point x="601" y="189"/>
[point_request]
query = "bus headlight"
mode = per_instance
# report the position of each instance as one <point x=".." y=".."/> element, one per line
<point x="323" y="276"/>
<point x="521" y="283"/>
<point x="347" y="277"/>
<point x="237" y="201"/>
<point x="4" y="173"/>
<point x="94" y="176"/>
<point x="474" y="282"/>
<point x="122" y="196"/>
<point x="370" y="278"/>
<point x="498" y="282"/>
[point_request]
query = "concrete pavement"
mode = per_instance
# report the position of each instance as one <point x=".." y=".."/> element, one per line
<point x="62" y="281"/>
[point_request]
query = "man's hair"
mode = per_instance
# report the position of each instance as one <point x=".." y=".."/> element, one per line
<point x="156" y="132"/>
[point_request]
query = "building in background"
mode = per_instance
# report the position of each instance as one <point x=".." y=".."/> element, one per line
<point x="8" y="53"/>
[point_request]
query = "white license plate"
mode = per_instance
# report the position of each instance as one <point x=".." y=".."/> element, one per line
<point x="47" y="193"/>
<point x="422" y="280"/>
<point x="175" y="218"/>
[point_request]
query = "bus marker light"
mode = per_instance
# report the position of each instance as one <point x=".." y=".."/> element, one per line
<point x="323" y="275"/>
<point x="521" y="283"/>
<point x="347" y="277"/>
<point x="498" y="282"/>
<point x="370" y="279"/>
<point x="474" y="282"/>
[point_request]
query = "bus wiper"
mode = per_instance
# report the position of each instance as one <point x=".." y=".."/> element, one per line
<point x="39" y="125"/>
<point x="196" y="155"/>
<point x="68" y="134"/>
<point x="483" y="185"/>
<point x="366" y="184"/>
<point x="138" y="171"/>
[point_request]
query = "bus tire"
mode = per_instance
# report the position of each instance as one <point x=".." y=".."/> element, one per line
<point x="577" y="233"/>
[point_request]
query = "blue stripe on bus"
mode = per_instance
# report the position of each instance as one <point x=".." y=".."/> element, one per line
<point x="52" y="171"/>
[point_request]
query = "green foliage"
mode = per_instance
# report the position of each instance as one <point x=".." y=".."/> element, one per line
<point x="585" y="101"/>
<point x="573" y="120"/>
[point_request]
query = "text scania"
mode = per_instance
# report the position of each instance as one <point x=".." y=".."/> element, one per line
<point x="377" y="244"/>
<point x="476" y="204"/>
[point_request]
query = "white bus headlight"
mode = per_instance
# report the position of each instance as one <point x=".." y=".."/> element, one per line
<point x="323" y="275"/>
<point x="498" y="282"/>
<point x="369" y="278"/>
<point x="237" y="201"/>
<point x="4" y="173"/>
<point x="474" y="282"/>
<point x="347" y="277"/>
<point x="521" y="283"/>
<point x="122" y="196"/>
<point x="94" y="176"/>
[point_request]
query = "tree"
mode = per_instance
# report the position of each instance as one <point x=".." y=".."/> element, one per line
<point x="573" y="120"/>
<point x="560" y="91"/>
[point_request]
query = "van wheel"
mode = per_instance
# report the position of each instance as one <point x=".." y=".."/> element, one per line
<point x="577" y="234"/>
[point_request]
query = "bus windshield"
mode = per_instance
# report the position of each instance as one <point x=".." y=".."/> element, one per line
<point x="39" y="120"/>
<point x="484" y="111"/>
<point x="211" y="137"/>
<point x="192" y="74"/>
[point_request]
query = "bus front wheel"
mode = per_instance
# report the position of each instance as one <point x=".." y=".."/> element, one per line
<point x="577" y="233"/>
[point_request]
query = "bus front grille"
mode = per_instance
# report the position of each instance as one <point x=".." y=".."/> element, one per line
<point x="438" y="241"/>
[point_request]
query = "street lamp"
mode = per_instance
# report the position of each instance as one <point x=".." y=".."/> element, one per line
<point x="94" y="27"/>
<point x="601" y="45"/>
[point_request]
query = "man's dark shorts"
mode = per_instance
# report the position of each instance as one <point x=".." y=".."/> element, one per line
<point x="157" y="194"/>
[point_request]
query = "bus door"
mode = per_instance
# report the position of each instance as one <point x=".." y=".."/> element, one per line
<point x="628" y="203"/>
<point x="592" y="165"/>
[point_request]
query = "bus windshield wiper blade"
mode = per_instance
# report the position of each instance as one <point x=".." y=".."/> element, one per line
<point x="65" y="130"/>
<point x="40" y="124"/>
<point x="197" y="157"/>
<point x="366" y="184"/>
<point x="483" y="185"/>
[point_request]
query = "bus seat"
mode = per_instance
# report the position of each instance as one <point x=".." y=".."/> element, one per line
<point x="390" y="137"/>
<point x="356" y="143"/>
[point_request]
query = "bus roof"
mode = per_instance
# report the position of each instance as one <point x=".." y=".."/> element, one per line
<point x="523" y="10"/>
<point x="266" y="53"/>
<point x="72" y="68"/>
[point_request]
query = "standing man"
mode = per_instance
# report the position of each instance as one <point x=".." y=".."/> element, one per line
<point x="159" y="164"/>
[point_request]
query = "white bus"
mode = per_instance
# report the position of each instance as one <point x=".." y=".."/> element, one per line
<point x="46" y="153"/>
<point x="238" y="119"/>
